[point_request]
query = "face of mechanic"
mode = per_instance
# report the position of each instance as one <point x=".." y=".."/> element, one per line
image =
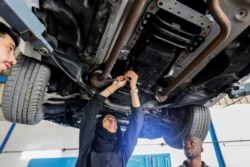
<point x="7" y="48"/>
<point x="109" y="122"/>
<point x="192" y="147"/>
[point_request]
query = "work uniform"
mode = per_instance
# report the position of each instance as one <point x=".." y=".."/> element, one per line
<point x="100" y="148"/>
<point x="185" y="164"/>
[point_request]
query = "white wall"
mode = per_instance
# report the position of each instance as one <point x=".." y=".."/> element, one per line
<point x="45" y="140"/>
<point x="232" y="124"/>
<point x="49" y="139"/>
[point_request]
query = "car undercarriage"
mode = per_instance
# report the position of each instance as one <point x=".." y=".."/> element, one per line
<point x="188" y="54"/>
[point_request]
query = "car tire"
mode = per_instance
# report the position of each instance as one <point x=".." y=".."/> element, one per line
<point x="197" y="122"/>
<point x="24" y="91"/>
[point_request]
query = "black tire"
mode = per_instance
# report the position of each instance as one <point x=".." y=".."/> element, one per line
<point x="197" y="122"/>
<point x="24" y="91"/>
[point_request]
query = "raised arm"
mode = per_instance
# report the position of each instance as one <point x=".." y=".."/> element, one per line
<point x="133" y="88"/>
<point x="136" y="120"/>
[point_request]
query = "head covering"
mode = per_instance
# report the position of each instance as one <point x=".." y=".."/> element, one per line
<point x="104" y="140"/>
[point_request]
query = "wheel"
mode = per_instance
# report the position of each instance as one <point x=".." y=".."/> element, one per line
<point x="197" y="121"/>
<point x="24" y="91"/>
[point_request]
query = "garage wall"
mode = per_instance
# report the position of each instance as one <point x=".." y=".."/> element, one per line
<point x="40" y="141"/>
<point x="232" y="127"/>
<point x="47" y="140"/>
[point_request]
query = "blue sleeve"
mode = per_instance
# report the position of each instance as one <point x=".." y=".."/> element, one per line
<point x="132" y="133"/>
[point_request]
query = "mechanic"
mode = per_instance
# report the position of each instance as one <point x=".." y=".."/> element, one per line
<point x="101" y="143"/>
<point x="192" y="150"/>
<point x="9" y="40"/>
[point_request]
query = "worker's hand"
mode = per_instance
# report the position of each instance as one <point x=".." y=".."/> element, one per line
<point x="120" y="81"/>
<point x="133" y="77"/>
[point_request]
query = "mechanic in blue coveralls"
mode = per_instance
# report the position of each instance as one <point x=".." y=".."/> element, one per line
<point x="101" y="140"/>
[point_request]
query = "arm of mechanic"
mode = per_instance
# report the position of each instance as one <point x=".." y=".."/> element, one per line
<point x="136" y="120"/>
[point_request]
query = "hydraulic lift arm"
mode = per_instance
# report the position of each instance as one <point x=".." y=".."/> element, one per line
<point x="244" y="91"/>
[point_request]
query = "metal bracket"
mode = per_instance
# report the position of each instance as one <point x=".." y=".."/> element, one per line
<point x="185" y="13"/>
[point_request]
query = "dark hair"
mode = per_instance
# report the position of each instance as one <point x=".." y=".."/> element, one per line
<point x="4" y="29"/>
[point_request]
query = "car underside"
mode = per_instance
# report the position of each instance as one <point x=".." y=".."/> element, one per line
<point x="188" y="54"/>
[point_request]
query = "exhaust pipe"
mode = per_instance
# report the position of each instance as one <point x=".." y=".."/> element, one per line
<point x="138" y="6"/>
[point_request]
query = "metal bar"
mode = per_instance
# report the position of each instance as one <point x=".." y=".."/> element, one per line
<point x="216" y="146"/>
